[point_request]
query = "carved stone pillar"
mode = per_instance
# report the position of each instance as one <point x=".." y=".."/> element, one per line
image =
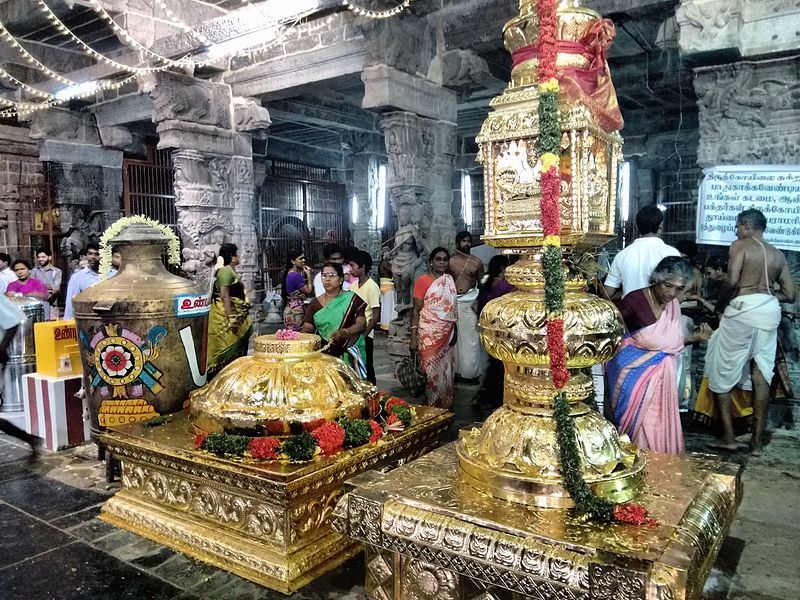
<point x="86" y="178"/>
<point x="210" y="133"/>
<point x="364" y="186"/>
<point x="443" y="230"/>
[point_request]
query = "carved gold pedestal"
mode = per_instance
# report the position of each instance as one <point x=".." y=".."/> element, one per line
<point x="266" y="522"/>
<point x="430" y="536"/>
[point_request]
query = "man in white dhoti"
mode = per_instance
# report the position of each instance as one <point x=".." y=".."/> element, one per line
<point x="467" y="270"/>
<point x="742" y="351"/>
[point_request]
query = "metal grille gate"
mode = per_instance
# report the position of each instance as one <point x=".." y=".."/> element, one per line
<point x="298" y="207"/>
<point x="148" y="187"/>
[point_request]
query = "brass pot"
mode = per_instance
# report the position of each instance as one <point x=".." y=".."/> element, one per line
<point x="142" y="335"/>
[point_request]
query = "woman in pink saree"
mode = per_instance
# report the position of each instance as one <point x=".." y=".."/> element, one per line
<point x="642" y="377"/>
<point x="433" y="325"/>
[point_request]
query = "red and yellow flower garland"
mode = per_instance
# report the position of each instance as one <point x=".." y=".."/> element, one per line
<point x="585" y="500"/>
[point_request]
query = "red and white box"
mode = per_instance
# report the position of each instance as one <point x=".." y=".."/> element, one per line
<point x="53" y="412"/>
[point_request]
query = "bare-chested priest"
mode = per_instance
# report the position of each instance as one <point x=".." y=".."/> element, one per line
<point x="467" y="270"/>
<point x="742" y="351"/>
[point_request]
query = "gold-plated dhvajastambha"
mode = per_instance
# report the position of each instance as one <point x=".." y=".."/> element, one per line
<point x="515" y="454"/>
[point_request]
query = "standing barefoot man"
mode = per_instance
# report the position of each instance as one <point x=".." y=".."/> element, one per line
<point x="467" y="270"/>
<point x="742" y="350"/>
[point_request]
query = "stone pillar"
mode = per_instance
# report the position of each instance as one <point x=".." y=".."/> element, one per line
<point x="748" y="107"/>
<point x="418" y="122"/>
<point x="210" y="133"/>
<point x="86" y="178"/>
<point x="364" y="185"/>
<point x="442" y="222"/>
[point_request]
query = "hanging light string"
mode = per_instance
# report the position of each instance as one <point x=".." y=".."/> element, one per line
<point x="34" y="62"/>
<point x="127" y="38"/>
<point x="201" y="39"/>
<point x="379" y="14"/>
<point x="30" y="58"/>
<point x="28" y="88"/>
<point x="91" y="51"/>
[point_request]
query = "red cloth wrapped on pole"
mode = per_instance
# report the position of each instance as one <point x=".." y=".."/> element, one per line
<point x="591" y="86"/>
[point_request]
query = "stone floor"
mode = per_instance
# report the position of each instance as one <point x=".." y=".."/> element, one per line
<point x="53" y="546"/>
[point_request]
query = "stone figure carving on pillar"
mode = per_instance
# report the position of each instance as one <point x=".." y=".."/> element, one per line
<point x="743" y="111"/>
<point x="406" y="259"/>
<point x="183" y="98"/>
<point x="406" y="256"/>
<point x="249" y="116"/>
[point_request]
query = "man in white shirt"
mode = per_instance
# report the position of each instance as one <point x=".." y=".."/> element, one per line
<point x="632" y="266"/>
<point x="332" y="253"/>
<point x="7" y="274"/>
<point x="83" y="279"/>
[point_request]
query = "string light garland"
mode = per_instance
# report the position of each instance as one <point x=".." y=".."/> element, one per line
<point x="28" y="88"/>
<point x="34" y="62"/>
<point x="202" y="39"/>
<point x="29" y="58"/>
<point x="129" y="39"/>
<point x="377" y="14"/>
<point x="91" y="51"/>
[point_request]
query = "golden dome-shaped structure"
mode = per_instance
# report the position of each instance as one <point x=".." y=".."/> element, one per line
<point x="284" y="381"/>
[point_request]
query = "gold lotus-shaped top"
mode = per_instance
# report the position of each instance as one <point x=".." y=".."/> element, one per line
<point x="284" y="381"/>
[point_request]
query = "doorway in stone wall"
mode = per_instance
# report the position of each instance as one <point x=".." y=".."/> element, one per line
<point x="147" y="187"/>
<point x="299" y="206"/>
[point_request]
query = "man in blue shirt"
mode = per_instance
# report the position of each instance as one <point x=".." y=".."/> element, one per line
<point x="83" y="279"/>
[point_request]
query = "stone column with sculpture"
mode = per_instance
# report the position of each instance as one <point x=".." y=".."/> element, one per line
<point x="210" y="134"/>
<point x="86" y="178"/>
<point x="410" y="146"/>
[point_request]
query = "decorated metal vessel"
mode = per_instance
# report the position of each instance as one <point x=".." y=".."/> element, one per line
<point x="142" y="334"/>
<point x="516" y="454"/>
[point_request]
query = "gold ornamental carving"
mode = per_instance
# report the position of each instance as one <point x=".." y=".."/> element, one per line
<point x="268" y="522"/>
<point x="423" y="519"/>
<point x="515" y="454"/>
<point x="284" y="380"/>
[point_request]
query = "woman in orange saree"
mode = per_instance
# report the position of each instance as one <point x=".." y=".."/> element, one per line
<point x="433" y="324"/>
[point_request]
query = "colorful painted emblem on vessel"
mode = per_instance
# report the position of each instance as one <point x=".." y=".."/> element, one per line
<point x="122" y="368"/>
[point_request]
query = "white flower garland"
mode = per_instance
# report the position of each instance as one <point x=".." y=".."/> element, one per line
<point x="173" y="246"/>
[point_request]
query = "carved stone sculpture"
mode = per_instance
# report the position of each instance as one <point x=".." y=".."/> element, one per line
<point x="249" y="115"/>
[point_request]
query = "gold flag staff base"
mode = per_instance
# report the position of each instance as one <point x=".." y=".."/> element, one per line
<point x="431" y="536"/>
<point x="267" y="522"/>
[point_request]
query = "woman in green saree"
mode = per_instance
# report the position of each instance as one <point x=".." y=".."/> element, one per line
<point x="229" y="324"/>
<point x="338" y="318"/>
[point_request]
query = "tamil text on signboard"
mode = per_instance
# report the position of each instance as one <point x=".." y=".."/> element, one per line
<point x="727" y="191"/>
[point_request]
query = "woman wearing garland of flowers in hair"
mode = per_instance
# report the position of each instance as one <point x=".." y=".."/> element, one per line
<point x="338" y="318"/>
<point x="433" y="328"/>
<point x="229" y="325"/>
<point x="643" y="375"/>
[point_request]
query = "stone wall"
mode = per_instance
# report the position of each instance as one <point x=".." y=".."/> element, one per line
<point x="19" y="166"/>
<point x="748" y="73"/>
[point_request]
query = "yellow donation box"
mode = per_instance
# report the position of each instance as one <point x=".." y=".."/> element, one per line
<point x="57" y="352"/>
